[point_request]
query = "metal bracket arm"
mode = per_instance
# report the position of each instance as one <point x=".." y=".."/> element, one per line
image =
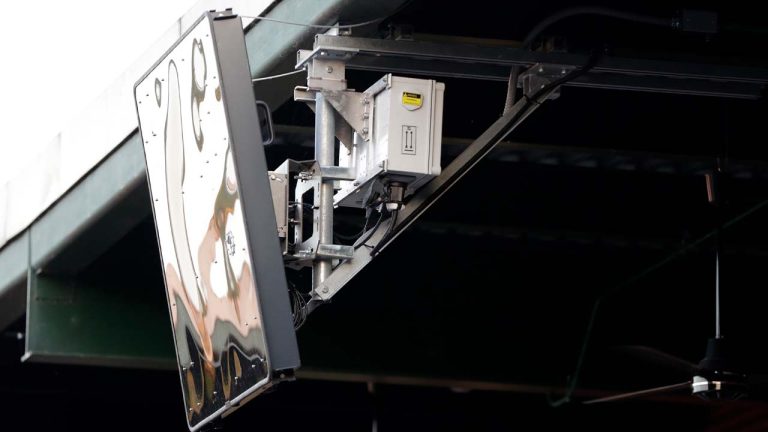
<point x="423" y="199"/>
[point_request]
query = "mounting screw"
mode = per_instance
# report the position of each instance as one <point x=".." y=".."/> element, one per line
<point x="324" y="290"/>
<point x="329" y="69"/>
<point x="365" y="131"/>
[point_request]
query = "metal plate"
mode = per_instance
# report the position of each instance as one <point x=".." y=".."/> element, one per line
<point x="223" y="272"/>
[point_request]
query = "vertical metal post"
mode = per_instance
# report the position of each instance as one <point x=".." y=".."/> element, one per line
<point x="324" y="154"/>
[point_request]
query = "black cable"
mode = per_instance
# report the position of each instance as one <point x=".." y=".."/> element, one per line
<point x="361" y="241"/>
<point x="388" y="234"/>
<point x="536" y="31"/>
<point x="595" y="10"/>
<point x="357" y="236"/>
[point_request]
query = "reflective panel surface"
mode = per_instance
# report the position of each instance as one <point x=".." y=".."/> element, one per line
<point x="212" y="295"/>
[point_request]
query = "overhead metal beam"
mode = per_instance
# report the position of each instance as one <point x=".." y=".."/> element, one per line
<point x="572" y="156"/>
<point x="494" y="62"/>
<point x="70" y="322"/>
<point x="14" y="260"/>
<point x="89" y="219"/>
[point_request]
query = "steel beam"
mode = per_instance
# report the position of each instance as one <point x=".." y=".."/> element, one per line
<point x="14" y="261"/>
<point x="493" y="63"/>
<point x="569" y="156"/>
<point x="89" y="219"/>
<point x="74" y="323"/>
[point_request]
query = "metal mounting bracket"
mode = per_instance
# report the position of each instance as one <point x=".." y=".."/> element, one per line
<point x="539" y="75"/>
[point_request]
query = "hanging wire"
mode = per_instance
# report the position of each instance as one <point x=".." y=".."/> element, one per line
<point x="298" y="307"/>
<point x="271" y="77"/>
<point x="388" y="234"/>
<point x="317" y="26"/>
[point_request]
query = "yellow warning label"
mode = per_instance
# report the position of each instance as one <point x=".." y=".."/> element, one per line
<point x="412" y="100"/>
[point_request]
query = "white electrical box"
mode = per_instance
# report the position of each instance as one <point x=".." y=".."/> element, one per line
<point x="404" y="140"/>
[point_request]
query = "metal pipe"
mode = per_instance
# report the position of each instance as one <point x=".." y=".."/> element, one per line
<point x="324" y="154"/>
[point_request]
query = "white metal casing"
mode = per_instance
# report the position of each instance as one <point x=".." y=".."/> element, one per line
<point x="405" y="140"/>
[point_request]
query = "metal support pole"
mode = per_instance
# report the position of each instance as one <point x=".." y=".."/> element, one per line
<point x="324" y="154"/>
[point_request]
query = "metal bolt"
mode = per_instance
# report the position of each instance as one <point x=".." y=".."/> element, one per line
<point x="329" y="69"/>
<point x="324" y="290"/>
<point x="356" y="183"/>
<point x="272" y="177"/>
<point x="365" y="131"/>
<point x="541" y="69"/>
<point x="365" y="101"/>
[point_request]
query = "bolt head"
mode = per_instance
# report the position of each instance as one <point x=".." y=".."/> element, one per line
<point x="329" y="69"/>
<point x="324" y="290"/>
